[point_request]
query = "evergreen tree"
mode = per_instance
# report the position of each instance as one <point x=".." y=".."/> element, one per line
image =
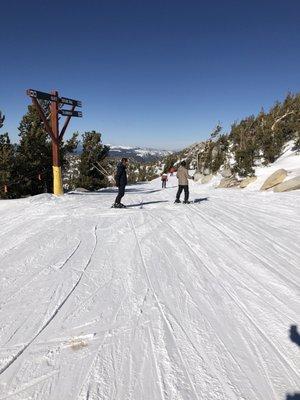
<point x="7" y="159"/>
<point x="34" y="160"/>
<point x="169" y="161"/>
<point x="217" y="131"/>
<point x="33" y="168"/>
<point x="91" y="175"/>
<point x="133" y="171"/>
<point x="2" y="118"/>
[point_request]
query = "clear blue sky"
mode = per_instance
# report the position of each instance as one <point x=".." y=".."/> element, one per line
<point x="150" y="73"/>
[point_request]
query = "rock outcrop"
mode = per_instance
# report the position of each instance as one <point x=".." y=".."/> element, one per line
<point x="245" y="182"/>
<point x="228" y="183"/>
<point x="206" y="171"/>
<point x="226" y="173"/>
<point x="80" y="189"/>
<point x="274" y="179"/>
<point x="291" y="184"/>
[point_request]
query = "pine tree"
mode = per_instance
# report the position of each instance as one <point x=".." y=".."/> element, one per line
<point x="34" y="161"/>
<point x="91" y="175"/>
<point x="217" y="131"/>
<point x="2" y="118"/>
<point x="33" y="169"/>
<point x="169" y="162"/>
<point x="7" y="159"/>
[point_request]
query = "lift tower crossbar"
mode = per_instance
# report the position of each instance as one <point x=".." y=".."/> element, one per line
<point x="52" y="128"/>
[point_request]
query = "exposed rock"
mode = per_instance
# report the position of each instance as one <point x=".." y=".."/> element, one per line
<point x="226" y="173"/>
<point x="274" y="179"/>
<point x="291" y="184"/>
<point x="197" y="176"/>
<point x="245" y="182"/>
<point x="214" y="152"/>
<point x="228" y="183"/>
<point x="206" y="178"/>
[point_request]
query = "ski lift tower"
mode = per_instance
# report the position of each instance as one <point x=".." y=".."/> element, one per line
<point x="49" y="107"/>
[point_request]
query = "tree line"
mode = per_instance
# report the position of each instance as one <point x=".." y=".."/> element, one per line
<point x="26" y="167"/>
<point x="255" y="140"/>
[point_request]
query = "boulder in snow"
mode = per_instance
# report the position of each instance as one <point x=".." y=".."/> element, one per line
<point x="245" y="182"/>
<point x="226" y="173"/>
<point x="228" y="183"/>
<point x="274" y="179"/>
<point x="291" y="184"/>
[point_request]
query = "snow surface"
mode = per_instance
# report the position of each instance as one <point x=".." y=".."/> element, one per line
<point x="158" y="301"/>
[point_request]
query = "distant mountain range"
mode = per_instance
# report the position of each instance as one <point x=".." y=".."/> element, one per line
<point x="137" y="153"/>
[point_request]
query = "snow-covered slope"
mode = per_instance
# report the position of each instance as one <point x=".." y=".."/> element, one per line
<point x="158" y="301"/>
<point x="289" y="160"/>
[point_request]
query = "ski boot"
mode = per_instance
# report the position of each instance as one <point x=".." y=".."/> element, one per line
<point x="177" y="201"/>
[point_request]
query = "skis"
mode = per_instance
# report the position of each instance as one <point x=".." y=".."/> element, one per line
<point x="186" y="203"/>
<point x="118" y="206"/>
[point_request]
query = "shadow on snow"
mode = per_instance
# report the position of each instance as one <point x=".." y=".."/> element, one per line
<point x="115" y="190"/>
<point x="295" y="338"/>
<point x="200" y="200"/>
<point x="144" y="203"/>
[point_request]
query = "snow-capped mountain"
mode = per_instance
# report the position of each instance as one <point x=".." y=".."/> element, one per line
<point x="138" y="153"/>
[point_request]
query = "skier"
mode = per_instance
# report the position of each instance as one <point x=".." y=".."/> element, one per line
<point x="121" y="182"/>
<point x="183" y="183"/>
<point x="164" y="179"/>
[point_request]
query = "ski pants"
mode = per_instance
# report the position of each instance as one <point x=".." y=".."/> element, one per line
<point x="121" y="192"/>
<point x="163" y="183"/>
<point x="186" y="192"/>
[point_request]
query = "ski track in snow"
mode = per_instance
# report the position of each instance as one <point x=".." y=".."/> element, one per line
<point x="158" y="301"/>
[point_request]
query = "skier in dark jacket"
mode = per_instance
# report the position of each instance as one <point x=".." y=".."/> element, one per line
<point x="121" y="182"/>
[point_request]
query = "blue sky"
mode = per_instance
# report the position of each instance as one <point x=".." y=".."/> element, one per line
<point x="150" y="73"/>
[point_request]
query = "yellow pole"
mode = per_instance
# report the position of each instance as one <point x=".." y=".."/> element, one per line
<point x="57" y="181"/>
<point x="56" y="166"/>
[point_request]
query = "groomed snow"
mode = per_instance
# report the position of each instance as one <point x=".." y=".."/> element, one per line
<point x="158" y="301"/>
